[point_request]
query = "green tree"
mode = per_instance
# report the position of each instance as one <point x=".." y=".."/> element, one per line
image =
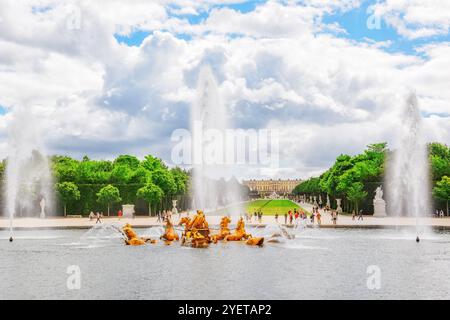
<point x="150" y="193"/>
<point x="181" y="180"/>
<point x="67" y="191"/>
<point x="126" y="160"/>
<point x="442" y="190"/>
<point x="152" y="163"/>
<point x="439" y="155"/>
<point x="64" y="168"/>
<point x="356" y="193"/>
<point x="108" y="195"/>
<point x="121" y="174"/>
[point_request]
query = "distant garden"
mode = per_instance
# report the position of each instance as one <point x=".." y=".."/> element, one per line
<point x="101" y="185"/>
<point x="354" y="179"/>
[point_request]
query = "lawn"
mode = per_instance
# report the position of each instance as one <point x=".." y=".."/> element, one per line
<point x="271" y="207"/>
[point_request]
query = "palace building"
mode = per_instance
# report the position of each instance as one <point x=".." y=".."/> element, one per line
<point x="267" y="187"/>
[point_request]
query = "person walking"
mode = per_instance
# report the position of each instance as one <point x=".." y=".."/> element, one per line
<point x="285" y="218"/>
<point x="98" y="218"/>
<point x="158" y="216"/>
<point x="276" y="217"/>
<point x="312" y="217"/>
<point x="119" y="214"/>
<point x="360" y="215"/>
<point x="290" y="217"/>
<point x="353" y="215"/>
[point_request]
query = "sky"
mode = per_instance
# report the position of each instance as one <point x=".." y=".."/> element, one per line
<point x="109" y="77"/>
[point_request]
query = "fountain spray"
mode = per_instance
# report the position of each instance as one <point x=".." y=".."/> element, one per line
<point x="209" y="123"/>
<point x="28" y="177"/>
<point x="408" y="170"/>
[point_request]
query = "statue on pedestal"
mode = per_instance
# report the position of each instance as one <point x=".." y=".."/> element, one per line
<point x="379" y="205"/>
<point x="174" y="207"/>
<point x="339" y="208"/>
<point x="328" y="201"/>
<point x="42" y="204"/>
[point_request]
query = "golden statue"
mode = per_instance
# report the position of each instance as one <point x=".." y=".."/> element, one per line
<point x="169" y="234"/>
<point x="132" y="238"/>
<point x="240" y="234"/>
<point x="196" y="231"/>
<point x="224" y="230"/>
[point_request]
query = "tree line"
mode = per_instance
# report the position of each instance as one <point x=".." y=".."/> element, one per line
<point x="353" y="178"/>
<point x="126" y="179"/>
<point x="86" y="185"/>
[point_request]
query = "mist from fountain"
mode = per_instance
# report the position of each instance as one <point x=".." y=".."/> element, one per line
<point x="408" y="177"/>
<point x="209" y="122"/>
<point x="28" y="175"/>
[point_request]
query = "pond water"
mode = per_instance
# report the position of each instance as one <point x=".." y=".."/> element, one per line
<point x="317" y="264"/>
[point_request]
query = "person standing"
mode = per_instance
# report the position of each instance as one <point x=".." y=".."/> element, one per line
<point x="119" y="214"/>
<point x="312" y="217"/>
<point x="319" y="221"/>
<point x="290" y="217"/>
<point x="285" y="218"/>
<point x="333" y="217"/>
<point x="276" y="217"/>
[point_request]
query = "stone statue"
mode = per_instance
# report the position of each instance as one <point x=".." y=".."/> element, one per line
<point x="42" y="204"/>
<point x="174" y="207"/>
<point x="379" y="205"/>
<point x="379" y="193"/>
<point x="338" y="208"/>
<point x="328" y="201"/>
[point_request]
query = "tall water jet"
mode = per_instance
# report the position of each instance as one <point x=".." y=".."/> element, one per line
<point x="28" y="176"/>
<point x="209" y="124"/>
<point x="408" y="171"/>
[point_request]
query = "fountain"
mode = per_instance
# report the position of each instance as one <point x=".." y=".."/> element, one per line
<point x="209" y="124"/>
<point x="408" y="170"/>
<point x="28" y="176"/>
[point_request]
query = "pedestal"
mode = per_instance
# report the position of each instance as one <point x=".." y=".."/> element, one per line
<point x="128" y="210"/>
<point x="379" y="208"/>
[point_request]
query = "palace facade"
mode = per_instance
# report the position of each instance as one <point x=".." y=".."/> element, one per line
<point x="267" y="187"/>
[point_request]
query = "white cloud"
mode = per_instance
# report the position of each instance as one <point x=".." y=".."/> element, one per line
<point x="415" y="19"/>
<point x="102" y="98"/>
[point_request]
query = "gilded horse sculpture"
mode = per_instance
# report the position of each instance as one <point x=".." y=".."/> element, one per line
<point x="132" y="238"/>
<point x="169" y="234"/>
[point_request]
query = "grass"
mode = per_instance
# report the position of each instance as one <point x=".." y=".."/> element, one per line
<point x="271" y="207"/>
<point x="267" y="206"/>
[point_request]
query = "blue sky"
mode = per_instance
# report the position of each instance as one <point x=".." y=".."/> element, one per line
<point x="354" y="22"/>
